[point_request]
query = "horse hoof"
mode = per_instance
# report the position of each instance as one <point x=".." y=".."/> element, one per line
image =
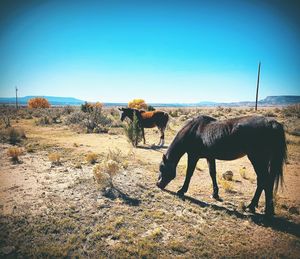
<point x="250" y="209"/>
<point x="216" y="197"/>
<point x="180" y="193"/>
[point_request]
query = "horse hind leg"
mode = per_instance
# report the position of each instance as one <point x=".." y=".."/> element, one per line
<point x="213" y="172"/>
<point x="162" y="137"/>
<point x="254" y="202"/>
<point x="263" y="183"/>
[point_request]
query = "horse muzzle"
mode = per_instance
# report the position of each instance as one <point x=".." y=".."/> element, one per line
<point x="161" y="184"/>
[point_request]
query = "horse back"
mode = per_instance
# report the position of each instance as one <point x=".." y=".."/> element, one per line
<point x="232" y="138"/>
<point x="154" y="118"/>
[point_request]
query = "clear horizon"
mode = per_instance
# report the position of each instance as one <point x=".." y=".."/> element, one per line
<point x="171" y="52"/>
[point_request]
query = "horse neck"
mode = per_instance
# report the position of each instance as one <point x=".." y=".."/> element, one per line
<point x="175" y="151"/>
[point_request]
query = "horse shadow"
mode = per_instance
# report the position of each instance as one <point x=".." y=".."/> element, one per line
<point x="153" y="147"/>
<point x="114" y="193"/>
<point x="276" y="223"/>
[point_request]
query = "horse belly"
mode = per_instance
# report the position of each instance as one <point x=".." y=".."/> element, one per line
<point x="149" y="125"/>
<point x="226" y="152"/>
<point x="229" y="156"/>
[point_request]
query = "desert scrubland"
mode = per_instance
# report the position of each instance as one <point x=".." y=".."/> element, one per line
<point x="70" y="189"/>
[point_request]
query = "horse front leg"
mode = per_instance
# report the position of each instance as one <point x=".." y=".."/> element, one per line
<point x="213" y="173"/>
<point x="192" y="162"/>
<point x="143" y="134"/>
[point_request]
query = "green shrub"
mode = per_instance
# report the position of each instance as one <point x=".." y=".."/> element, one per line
<point x="133" y="131"/>
<point x="150" y="108"/>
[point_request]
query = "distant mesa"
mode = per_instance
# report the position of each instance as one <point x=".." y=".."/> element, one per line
<point x="283" y="99"/>
<point x="62" y="101"/>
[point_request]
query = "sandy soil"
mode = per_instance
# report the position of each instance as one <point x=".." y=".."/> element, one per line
<point x="51" y="210"/>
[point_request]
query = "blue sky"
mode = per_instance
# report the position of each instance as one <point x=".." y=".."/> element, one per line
<point x="161" y="51"/>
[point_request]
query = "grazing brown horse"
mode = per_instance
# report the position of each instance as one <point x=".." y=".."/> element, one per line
<point x="260" y="138"/>
<point x="148" y="120"/>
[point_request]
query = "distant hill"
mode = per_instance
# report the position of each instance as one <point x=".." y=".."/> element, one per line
<point x="268" y="101"/>
<point x="52" y="99"/>
<point x="61" y="101"/>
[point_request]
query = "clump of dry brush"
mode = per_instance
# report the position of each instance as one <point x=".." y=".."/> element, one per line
<point x="14" y="153"/>
<point x="113" y="163"/>
<point x="12" y="135"/>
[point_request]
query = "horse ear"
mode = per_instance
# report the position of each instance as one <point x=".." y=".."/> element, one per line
<point x="164" y="158"/>
<point x="119" y="109"/>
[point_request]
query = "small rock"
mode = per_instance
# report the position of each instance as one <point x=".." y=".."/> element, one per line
<point x="8" y="250"/>
<point x="294" y="210"/>
<point x="228" y="175"/>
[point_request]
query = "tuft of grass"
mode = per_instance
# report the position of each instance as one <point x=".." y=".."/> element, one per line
<point x="226" y="185"/>
<point x="270" y="114"/>
<point x="12" y="135"/>
<point x="78" y="165"/>
<point x="104" y="172"/>
<point x="45" y="120"/>
<point x="14" y="153"/>
<point x="156" y="234"/>
<point x="178" y="247"/>
<point x="55" y="158"/>
<point x="243" y="173"/>
<point x="91" y="158"/>
<point x="147" y="248"/>
<point x="292" y="111"/>
<point x="99" y="175"/>
<point x="30" y="148"/>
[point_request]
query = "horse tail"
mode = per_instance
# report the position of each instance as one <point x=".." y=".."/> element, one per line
<point x="166" y="119"/>
<point x="279" y="156"/>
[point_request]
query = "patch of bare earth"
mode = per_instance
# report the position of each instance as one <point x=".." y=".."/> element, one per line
<point x="51" y="210"/>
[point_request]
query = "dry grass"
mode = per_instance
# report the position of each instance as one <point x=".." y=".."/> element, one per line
<point x="14" y="153"/>
<point x="292" y="111"/>
<point x="91" y="158"/>
<point x="12" y="135"/>
<point x="65" y="215"/>
<point x="55" y="158"/>
<point x="226" y="185"/>
<point x="104" y="172"/>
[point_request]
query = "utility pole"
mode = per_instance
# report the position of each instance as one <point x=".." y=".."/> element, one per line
<point x="257" y="86"/>
<point x="17" y="98"/>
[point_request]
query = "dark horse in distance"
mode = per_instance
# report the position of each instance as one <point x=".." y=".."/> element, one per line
<point x="260" y="138"/>
<point x="148" y="119"/>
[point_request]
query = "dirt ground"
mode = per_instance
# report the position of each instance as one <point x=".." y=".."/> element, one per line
<point x="49" y="210"/>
